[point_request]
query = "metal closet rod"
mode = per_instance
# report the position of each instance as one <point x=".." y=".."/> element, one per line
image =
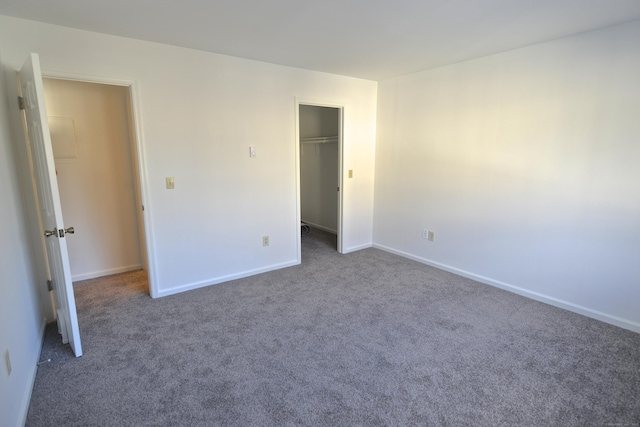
<point x="319" y="140"/>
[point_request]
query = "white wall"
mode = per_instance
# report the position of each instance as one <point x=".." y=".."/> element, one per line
<point x="20" y="315"/>
<point x="525" y="164"/>
<point x="319" y="167"/>
<point x="96" y="183"/>
<point x="199" y="112"/>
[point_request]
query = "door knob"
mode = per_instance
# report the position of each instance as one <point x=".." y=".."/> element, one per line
<point x="69" y="230"/>
<point x="53" y="232"/>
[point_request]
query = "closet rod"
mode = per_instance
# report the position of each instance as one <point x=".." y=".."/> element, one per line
<point x="319" y="140"/>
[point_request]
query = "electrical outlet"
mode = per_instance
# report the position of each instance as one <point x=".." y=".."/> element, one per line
<point x="7" y="360"/>
<point x="431" y="236"/>
<point x="425" y="233"/>
<point x="252" y="151"/>
<point x="265" y="240"/>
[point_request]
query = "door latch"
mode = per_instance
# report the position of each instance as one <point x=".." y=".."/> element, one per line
<point x="53" y="232"/>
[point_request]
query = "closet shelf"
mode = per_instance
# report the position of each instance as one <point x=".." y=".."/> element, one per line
<point x="319" y="140"/>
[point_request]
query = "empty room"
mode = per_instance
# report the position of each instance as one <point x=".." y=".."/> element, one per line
<point x="332" y="214"/>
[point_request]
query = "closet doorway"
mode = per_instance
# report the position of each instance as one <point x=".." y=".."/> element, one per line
<point x="320" y="132"/>
<point x="93" y="138"/>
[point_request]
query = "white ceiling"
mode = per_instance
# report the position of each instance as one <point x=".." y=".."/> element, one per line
<point x="370" y="39"/>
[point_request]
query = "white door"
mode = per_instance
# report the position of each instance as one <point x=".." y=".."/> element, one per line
<point x="49" y="201"/>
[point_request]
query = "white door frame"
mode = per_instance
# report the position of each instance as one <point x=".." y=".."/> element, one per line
<point x="341" y="112"/>
<point x="141" y="168"/>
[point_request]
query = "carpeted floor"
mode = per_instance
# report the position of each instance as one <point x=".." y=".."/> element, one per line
<point x="364" y="339"/>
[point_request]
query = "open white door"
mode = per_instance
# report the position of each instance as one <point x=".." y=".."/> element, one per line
<point x="49" y="200"/>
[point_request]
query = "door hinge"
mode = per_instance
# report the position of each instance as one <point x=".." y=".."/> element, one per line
<point x="50" y="285"/>
<point x="21" y="103"/>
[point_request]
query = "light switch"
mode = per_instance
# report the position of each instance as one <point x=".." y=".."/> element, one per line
<point x="350" y="173"/>
<point x="170" y="183"/>
<point x="252" y="151"/>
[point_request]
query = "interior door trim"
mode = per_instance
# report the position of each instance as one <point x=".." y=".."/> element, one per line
<point x="342" y="191"/>
<point x="139" y="144"/>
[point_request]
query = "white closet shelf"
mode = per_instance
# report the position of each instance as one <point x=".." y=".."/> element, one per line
<point x="319" y="140"/>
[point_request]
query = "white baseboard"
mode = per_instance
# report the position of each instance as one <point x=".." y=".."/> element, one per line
<point x="94" y="274"/>
<point x="222" y="279"/>
<point x="598" y="315"/>
<point x="26" y="400"/>
<point x="321" y="227"/>
<point x="356" y="248"/>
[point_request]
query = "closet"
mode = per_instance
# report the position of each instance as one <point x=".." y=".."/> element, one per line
<point x="320" y="129"/>
<point x="95" y="159"/>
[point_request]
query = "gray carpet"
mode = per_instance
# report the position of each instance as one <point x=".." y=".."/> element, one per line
<point x="364" y="339"/>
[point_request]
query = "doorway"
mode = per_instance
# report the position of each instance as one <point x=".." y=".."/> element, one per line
<point x="320" y="160"/>
<point x="96" y="165"/>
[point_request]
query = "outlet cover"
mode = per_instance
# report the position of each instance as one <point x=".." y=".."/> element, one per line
<point x="265" y="240"/>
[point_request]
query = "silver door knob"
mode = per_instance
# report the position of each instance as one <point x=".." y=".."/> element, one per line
<point x="69" y="230"/>
<point x="53" y="232"/>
